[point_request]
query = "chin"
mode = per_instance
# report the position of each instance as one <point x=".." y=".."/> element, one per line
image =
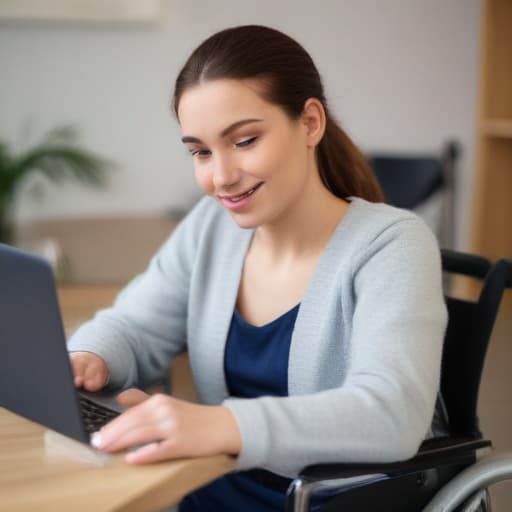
<point x="246" y="221"/>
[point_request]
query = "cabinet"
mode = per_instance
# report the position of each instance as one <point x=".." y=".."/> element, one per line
<point x="492" y="222"/>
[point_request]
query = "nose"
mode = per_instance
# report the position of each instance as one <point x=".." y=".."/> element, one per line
<point x="225" y="172"/>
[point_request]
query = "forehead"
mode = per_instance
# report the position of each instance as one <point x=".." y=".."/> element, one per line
<point x="216" y="104"/>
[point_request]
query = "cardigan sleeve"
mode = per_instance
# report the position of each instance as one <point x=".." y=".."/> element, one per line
<point x="146" y="326"/>
<point x="384" y="407"/>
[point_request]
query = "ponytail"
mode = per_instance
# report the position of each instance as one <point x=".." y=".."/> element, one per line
<point x="343" y="169"/>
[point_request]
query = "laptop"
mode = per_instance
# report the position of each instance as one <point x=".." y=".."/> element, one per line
<point x="36" y="379"/>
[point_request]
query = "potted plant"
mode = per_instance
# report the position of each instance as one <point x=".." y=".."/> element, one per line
<point x="58" y="157"/>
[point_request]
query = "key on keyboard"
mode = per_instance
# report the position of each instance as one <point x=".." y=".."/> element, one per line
<point x="95" y="415"/>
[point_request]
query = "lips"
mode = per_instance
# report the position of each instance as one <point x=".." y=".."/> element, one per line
<point x="240" y="197"/>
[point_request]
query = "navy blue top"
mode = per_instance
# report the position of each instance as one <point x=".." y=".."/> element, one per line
<point x="255" y="364"/>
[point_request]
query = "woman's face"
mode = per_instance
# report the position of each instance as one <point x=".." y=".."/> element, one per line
<point x="247" y="153"/>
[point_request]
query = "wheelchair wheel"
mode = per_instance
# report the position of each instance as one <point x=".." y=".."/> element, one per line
<point x="478" y="502"/>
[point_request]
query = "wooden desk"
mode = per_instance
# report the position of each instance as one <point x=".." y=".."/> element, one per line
<point x="34" y="477"/>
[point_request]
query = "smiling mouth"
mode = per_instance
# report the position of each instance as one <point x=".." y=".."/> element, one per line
<point x="236" y="199"/>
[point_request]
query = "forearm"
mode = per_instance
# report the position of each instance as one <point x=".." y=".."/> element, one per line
<point x="339" y="425"/>
<point x="100" y="338"/>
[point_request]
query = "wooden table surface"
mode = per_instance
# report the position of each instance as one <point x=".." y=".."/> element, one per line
<point x="35" y="476"/>
<point x="42" y="476"/>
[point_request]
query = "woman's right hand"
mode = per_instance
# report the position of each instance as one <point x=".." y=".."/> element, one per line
<point x="90" y="371"/>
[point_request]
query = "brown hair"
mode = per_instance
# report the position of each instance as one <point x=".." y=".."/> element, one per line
<point x="289" y="77"/>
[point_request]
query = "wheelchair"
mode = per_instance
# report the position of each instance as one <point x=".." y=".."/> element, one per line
<point x="449" y="473"/>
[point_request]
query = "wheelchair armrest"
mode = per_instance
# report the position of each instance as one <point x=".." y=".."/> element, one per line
<point x="432" y="453"/>
<point x="464" y="263"/>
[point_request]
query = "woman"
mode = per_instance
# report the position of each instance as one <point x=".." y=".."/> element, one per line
<point x="312" y="313"/>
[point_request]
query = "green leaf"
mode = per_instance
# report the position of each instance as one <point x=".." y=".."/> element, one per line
<point x="59" y="163"/>
<point x="58" y="157"/>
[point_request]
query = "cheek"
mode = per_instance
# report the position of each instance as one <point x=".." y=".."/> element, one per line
<point x="267" y="162"/>
<point x="204" y="179"/>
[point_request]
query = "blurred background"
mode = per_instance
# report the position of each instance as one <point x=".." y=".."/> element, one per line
<point x="404" y="77"/>
<point x="400" y="75"/>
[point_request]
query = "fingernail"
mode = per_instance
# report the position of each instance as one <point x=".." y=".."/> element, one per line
<point x="96" y="440"/>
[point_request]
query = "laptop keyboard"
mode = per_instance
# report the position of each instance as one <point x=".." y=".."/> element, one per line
<point x="95" y="415"/>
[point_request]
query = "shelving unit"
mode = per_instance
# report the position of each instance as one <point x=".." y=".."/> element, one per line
<point x="492" y="222"/>
<point x="498" y="128"/>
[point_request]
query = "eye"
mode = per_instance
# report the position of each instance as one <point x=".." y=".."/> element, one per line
<point x="200" y="153"/>
<point x="246" y="142"/>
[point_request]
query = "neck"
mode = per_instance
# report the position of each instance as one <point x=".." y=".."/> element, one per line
<point x="306" y="228"/>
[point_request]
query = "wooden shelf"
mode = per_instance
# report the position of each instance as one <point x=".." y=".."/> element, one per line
<point x="492" y="207"/>
<point x="501" y="128"/>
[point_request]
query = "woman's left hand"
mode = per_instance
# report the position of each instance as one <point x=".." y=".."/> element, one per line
<point x="168" y="428"/>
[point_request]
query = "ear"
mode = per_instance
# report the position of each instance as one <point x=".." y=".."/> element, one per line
<point x="313" y="118"/>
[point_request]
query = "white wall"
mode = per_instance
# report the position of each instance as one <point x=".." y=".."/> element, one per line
<point x="399" y="74"/>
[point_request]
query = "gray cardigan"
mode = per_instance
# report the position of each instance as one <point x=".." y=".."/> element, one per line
<point x="365" y="354"/>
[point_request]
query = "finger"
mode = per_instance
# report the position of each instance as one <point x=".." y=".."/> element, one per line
<point x="138" y="435"/>
<point x="78" y="368"/>
<point x="93" y="378"/>
<point x="132" y="397"/>
<point x="149" y="413"/>
<point x="153" y="452"/>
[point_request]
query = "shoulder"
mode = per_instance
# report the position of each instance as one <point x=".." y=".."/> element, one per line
<point x="201" y="235"/>
<point x="207" y="227"/>
<point x="206" y="209"/>
<point x="377" y="217"/>
<point x="370" y="222"/>
<point x="208" y="216"/>
<point x="377" y="231"/>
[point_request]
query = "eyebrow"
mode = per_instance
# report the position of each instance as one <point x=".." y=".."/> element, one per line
<point x="224" y="133"/>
